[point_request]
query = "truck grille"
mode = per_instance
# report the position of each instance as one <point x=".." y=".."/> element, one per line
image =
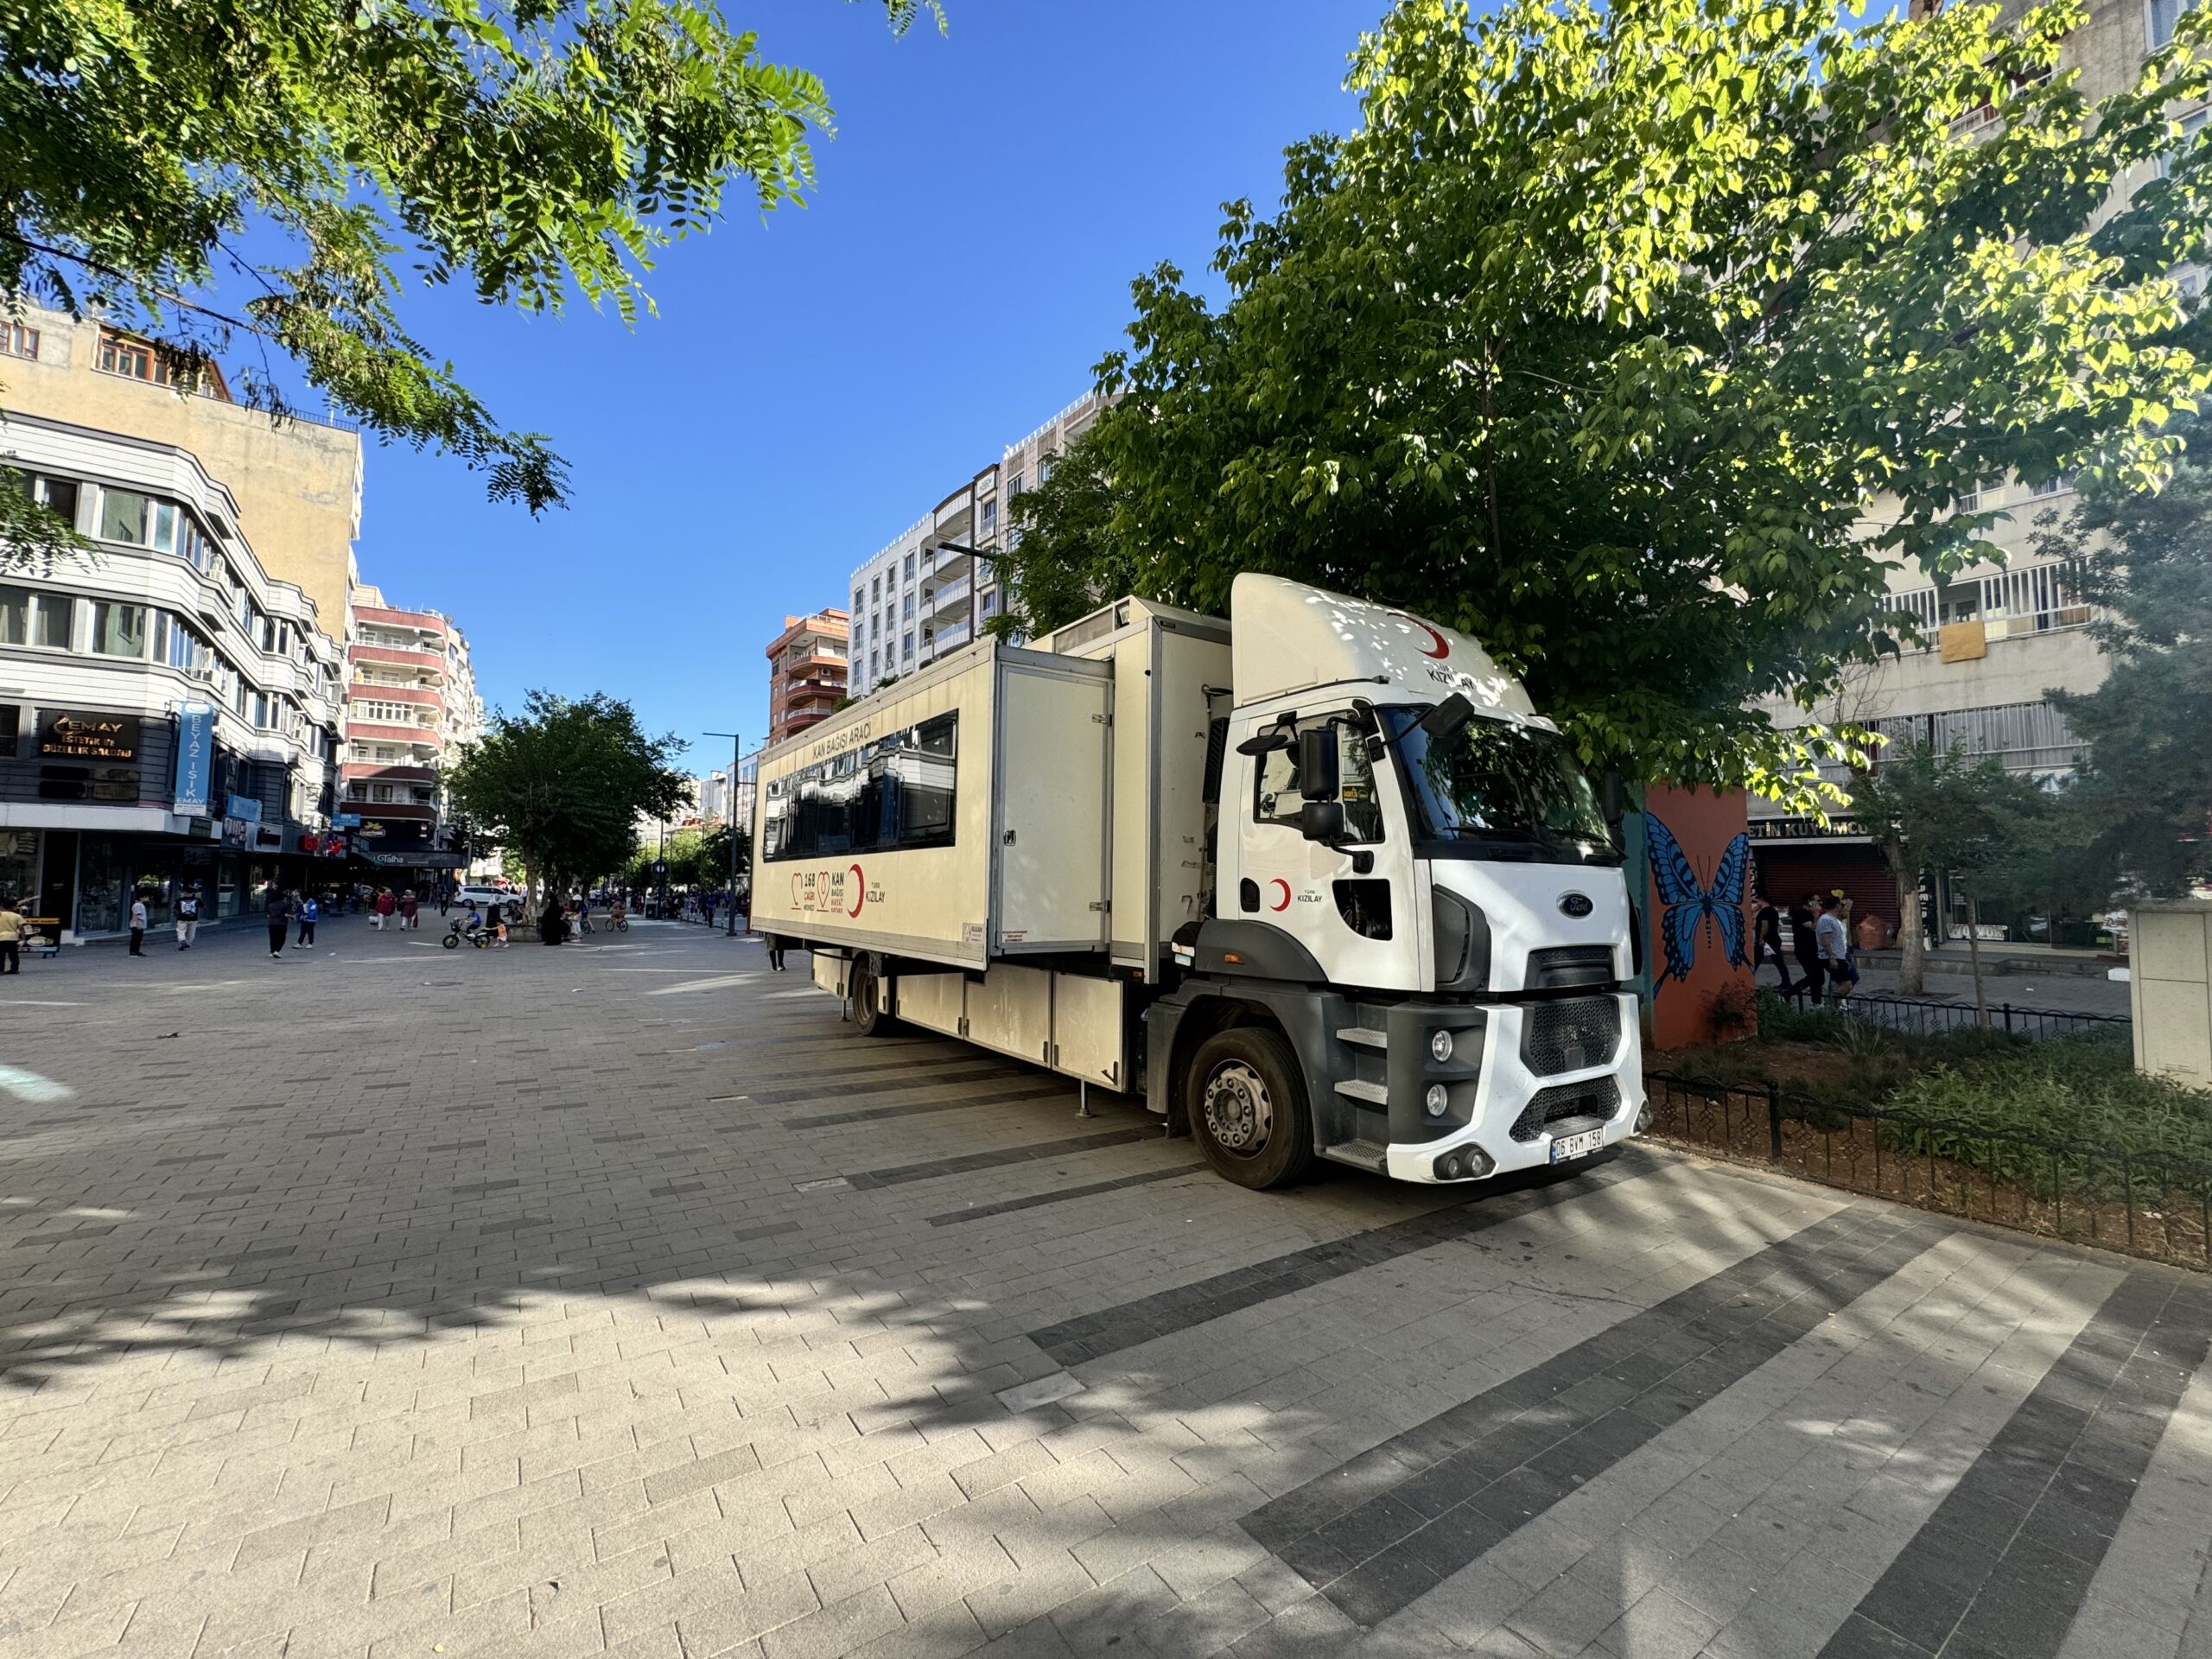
<point x="1563" y="967"/>
<point x="1565" y="1108"/>
<point x="1572" y="1036"/>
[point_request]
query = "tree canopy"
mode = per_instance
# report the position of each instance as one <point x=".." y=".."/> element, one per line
<point x="564" y="783"/>
<point x="149" y="151"/>
<point x="1642" y="339"/>
<point x="2139" y="808"/>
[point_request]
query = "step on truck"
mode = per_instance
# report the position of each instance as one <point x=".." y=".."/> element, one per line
<point x="1317" y="882"/>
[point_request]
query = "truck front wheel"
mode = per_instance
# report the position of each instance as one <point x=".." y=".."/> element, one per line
<point x="1246" y="1101"/>
<point x="867" y="1000"/>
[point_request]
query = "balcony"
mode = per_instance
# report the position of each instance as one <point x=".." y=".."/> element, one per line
<point x="947" y="596"/>
<point x="425" y="661"/>
<point x="950" y="638"/>
<point x="391" y="771"/>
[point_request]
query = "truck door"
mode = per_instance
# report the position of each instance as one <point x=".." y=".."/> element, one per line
<point x="1351" y="906"/>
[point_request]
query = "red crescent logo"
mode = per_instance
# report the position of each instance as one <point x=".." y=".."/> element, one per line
<point x="1285" y="886"/>
<point x="860" y="892"/>
<point x="1443" y="647"/>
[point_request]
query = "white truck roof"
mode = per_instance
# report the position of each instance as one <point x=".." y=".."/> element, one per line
<point x="1289" y="638"/>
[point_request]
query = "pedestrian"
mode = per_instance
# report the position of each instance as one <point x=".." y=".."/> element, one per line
<point x="445" y="896"/>
<point x="138" y="922"/>
<point x="310" y="913"/>
<point x="386" y="907"/>
<point x="11" y="938"/>
<point x="1805" y="947"/>
<point x="406" y="910"/>
<point x="280" y="916"/>
<point x="583" y="914"/>
<point x="776" y="953"/>
<point x="1833" y="941"/>
<point x="1766" y="933"/>
<point x="188" y="918"/>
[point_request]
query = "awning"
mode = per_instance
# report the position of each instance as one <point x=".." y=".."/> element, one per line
<point x="422" y="858"/>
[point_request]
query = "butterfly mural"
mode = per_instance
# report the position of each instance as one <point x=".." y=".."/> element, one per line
<point x="1689" y="905"/>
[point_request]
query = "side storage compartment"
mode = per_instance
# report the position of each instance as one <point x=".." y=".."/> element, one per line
<point x="1053" y="744"/>
<point x="932" y="1001"/>
<point x="1010" y="1010"/>
<point x="830" y="970"/>
<point x="1089" y="1037"/>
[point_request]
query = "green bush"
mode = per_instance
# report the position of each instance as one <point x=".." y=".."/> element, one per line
<point x="2083" y="1091"/>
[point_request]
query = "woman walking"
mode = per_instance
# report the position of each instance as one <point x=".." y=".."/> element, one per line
<point x="280" y="916"/>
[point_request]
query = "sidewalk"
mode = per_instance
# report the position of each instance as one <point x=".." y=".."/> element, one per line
<point x="2062" y="992"/>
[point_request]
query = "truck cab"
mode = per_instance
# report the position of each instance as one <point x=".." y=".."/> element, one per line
<point x="1418" y="935"/>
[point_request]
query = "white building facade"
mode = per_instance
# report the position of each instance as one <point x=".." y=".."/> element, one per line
<point x="168" y="712"/>
<point x="935" y="587"/>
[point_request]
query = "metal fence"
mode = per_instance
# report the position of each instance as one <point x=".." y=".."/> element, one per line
<point x="2149" y="1204"/>
<point x="1918" y="1017"/>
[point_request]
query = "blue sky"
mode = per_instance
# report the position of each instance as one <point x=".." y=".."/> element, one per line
<point x="814" y="382"/>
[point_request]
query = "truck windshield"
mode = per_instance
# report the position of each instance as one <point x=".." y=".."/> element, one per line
<point x="1495" y="790"/>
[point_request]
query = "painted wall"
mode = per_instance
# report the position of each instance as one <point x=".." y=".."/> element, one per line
<point x="1697" y="913"/>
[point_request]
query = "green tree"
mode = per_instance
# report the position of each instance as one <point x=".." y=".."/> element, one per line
<point x="563" y="783"/>
<point x="1074" y="564"/>
<point x="1642" y="339"/>
<point x="1942" y="812"/>
<point x="527" y="151"/>
<point x="2142" y="797"/>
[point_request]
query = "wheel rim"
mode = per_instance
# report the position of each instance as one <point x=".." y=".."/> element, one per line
<point x="1240" y="1112"/>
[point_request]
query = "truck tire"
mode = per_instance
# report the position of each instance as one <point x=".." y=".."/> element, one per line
<point x="867" y="1016"/>
<point x="1245" y="1097"/>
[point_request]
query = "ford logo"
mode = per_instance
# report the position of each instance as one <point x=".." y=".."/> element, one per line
<point x="1575" y="904"/>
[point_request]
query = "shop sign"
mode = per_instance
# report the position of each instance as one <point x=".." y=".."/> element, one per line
<point x="344" y="820"/>
<point x="243" y="806"/>
<point x="195" y="755"/>
<point x="266" y="837"/>
<point x="234" y="832"/>
<point x="66" y="736"/>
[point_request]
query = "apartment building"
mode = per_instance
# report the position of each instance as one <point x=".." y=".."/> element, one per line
<point x="935" y="587"/>
<point x="410" y="706"/>
<point x="168" y="708"/>
<point x="806" y="671"/>
<point x="2000" y="634"/>
<point x="296" y="483"/>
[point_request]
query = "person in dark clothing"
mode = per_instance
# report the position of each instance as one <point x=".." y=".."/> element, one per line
<point x="280" y="918"/>
<point x="776" y="952"/>
<point x="1766" y="937"/>
<point x="1805" y="947"/>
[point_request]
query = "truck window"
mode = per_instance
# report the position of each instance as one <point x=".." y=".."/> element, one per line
<point x="894" y="794"/>
<point x="1279" y="802"/>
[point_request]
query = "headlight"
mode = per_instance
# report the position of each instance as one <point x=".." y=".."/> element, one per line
<point x="1437" y="1100"/>
<point x="1440" y="1045"/>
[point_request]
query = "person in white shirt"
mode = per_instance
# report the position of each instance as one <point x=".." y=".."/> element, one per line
<point x="137" y="924"/>
<point x="1833" y="940"/>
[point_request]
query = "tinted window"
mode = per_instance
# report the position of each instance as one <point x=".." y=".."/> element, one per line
<point x="1279" y="801"/>
<point x="894" y="793"/>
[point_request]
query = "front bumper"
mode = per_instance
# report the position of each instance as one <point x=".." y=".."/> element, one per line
<point x="1541" y="1079"/>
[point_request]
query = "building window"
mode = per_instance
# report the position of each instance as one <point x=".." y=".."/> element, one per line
<point x="907" y="645"/>
<point x="57" y="495"/>
<point x="910" y="567"/>
<point x="2165" y="16"/>
<point x="18" y="341"/>
<point x="142" y="521"/>
<point x="31" y="619"/>
<point x="385" y="714"/>
<point x="876" y="587"/>
<point x="423" y="797"/>
<point x="990" y="517"/>
<point x="990" y="601"/>
<point x="856" y="600"/>
<point x="137" y="360"/>
<point x="1014" y="487"/>
<point x="118" y="630"/>
<point x="2052" y="485"/>
<point x="874" y="664"/>
<point x="908" y="613"/>
<point x="380" y="792"/>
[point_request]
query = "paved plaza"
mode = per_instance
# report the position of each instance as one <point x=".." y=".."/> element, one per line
<point x="391" y="1301"/>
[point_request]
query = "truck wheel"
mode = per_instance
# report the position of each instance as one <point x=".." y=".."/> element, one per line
<point x="1246" y="1101"/>
<point x="867" y="993"/>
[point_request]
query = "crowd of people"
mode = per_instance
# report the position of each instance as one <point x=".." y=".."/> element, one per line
<point x="1822" y="942"/>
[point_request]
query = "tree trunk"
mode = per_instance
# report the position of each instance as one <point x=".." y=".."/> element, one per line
<point x="1973" y="955"/>
<point x="1912" y="932"/>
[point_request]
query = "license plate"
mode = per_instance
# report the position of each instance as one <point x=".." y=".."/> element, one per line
<point x="1568" y="1147"/>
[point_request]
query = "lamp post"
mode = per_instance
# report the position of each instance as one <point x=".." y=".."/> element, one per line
<point x="729" y="824"/>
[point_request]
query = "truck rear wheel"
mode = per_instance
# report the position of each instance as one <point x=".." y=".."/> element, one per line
<point x="1245" y="1097"/>
<point x="868" y="997"/>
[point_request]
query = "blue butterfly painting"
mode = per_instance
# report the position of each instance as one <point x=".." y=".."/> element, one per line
<point x="1689" y="906"/>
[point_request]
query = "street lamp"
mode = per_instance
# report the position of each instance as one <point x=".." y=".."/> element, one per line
<point x="729" y="824"/>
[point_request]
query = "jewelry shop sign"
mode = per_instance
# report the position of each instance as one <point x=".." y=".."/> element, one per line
<point x="63" y="735"/>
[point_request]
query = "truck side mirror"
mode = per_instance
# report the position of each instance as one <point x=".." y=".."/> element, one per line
<point x="1317" y="779"/>
<point x="1447" y="716"/>
<point x="1322" y="821"/>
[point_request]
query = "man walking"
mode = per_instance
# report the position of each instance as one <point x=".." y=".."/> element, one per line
<point x="1806" y="948"/>
<point x="310" y="913"/>
<point x="280" y="916"/>
<point x="138" y="924"/>
<point x="188" y="917"/>
<point x="1833" y="940"/>
<point x="11" y="938"/>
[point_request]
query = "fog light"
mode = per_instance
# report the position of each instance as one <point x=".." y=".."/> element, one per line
<point x="1440" y="1045"/>
<point x="1437" y="1100"/>
<point x="1449" y="1166"/>
<point x="1461" y="1163"/>
<point x="1643" y="1116"/>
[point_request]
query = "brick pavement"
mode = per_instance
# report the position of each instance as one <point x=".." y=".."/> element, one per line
<point x="394" y="1301"/>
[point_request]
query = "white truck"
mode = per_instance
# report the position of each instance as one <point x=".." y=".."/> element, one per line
<point x="1317" y="880"/>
